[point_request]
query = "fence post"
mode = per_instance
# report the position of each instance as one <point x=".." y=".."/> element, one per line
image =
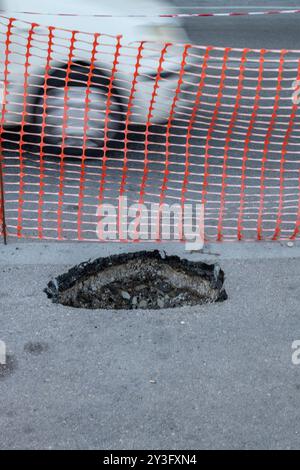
<point x="2" y="200"/>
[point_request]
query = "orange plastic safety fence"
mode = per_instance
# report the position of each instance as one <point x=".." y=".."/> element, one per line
<point x="87" y="118"/>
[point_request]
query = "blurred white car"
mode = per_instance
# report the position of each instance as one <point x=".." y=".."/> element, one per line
<point x="72" y="68"/>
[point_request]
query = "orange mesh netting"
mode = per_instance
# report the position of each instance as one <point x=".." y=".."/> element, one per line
<point x="88" y="118"/>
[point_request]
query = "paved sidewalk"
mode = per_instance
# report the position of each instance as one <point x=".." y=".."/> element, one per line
<point x="215" y="376"/>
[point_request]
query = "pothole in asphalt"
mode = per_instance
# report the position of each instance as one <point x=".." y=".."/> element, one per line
<point x="141" y="280"/>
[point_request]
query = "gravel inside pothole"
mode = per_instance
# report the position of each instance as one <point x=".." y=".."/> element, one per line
<point x="141" y="280"/>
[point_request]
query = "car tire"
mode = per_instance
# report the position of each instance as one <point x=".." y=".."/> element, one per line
<point x="73" y="129"/>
